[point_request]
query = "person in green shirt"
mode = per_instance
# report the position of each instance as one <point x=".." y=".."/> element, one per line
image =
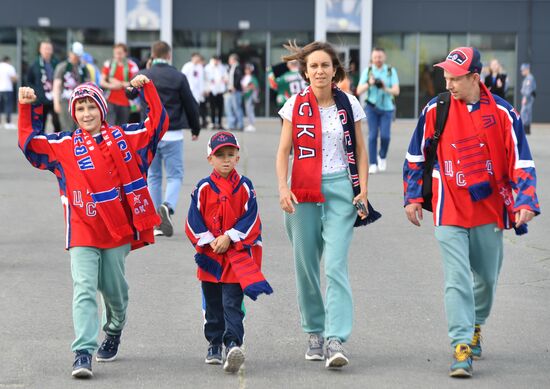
<point x="287" y="84"/>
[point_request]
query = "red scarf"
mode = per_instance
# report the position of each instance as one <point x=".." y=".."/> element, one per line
<point x="308" y="148"/>
<point x="105" y="191"/>
<point x="250" y="277"/>
<point x="480" y="153"/>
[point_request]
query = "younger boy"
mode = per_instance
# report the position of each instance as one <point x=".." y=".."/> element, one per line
<point x="224" y="226"/>
<point x="101" y="171"/>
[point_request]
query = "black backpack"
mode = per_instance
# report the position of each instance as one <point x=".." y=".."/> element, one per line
<point x="441" y="113"/>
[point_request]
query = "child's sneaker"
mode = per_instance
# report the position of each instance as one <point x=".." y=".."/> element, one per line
<point x="476" y="343"/>
<point x="234" y="358"/>
<point x="461" y="366"/>
<point x="166" y="225"/>
<point x="335" y="354"/>
<point x="214" y="355"/>
<point x="108" y="350"/>
<point x="82" y="366"/>
<point x="315" y="348"/>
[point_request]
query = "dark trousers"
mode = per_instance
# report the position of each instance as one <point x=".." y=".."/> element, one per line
<point x="118" y="114"/>
<point x="203" y="111"/>
<point x="6" y="100"/>
<point x="224" y="314"/>
<point x="216" y="109"/>
<point x="48" y="110"/>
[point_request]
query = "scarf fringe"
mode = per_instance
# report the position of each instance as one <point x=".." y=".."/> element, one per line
<point x="257" y="288"/>
<point x="373" y="216"/>
<point x="147" y="222"/>
<point x="209" y="265"/>
<point x="480" y="190"/>
<point x="308" y="196"/>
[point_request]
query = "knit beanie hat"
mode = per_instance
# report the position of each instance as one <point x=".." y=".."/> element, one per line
<point x="92" y="91"/>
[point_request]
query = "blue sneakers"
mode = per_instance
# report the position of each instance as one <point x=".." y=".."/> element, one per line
<point x="476" y="343"/>
<point x="234" y="358"/>
<point x="82" y="366"/>
<point x="214" y="355"/>
<point x="108" y="350"/>
<point x="461" y="366"/>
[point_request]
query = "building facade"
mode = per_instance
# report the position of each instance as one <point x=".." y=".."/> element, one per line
<point x="415" y="35"/>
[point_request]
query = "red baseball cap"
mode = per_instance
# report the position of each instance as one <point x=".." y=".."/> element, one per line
<point x="461" y="61"/>
<point x="221" y="139"/>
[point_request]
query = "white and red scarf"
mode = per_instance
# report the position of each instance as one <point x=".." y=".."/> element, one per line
<point x="308" y="148"/>
<point x="105" y="192"/>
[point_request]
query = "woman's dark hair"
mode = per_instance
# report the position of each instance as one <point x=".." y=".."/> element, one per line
<point x="301" y="54"/>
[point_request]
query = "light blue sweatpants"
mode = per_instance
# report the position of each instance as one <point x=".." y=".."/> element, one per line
<point x="324" y="229"/>
<point x="472" y="258"/>
<point x="94" y="269"/>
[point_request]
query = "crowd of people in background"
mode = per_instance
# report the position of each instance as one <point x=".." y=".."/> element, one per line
<point x="229" y="90"/>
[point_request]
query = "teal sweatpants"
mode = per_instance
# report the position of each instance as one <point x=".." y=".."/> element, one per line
<point x="324" y="229"/>
<point x="94" y="270"/>
<point x="472" y="258"/>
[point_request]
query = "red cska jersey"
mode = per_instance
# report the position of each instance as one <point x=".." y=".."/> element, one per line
<point x="56" y="153"/>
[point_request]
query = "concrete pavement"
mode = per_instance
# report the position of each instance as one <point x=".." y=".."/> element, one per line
<point x="399" y="338"/>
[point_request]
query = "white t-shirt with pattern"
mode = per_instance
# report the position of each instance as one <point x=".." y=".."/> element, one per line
<point x="334" y="153"/>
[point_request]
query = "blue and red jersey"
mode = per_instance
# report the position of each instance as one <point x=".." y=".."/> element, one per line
<point x="451" y="204"/>
<point x="203" y="223"/>
<point x="56" y="153"/>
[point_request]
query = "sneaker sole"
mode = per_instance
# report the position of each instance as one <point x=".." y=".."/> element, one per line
<point x="337" y="361"/>
<point x="213" y="361"/>
<point x="315" y="357"/>
<point x="235" y="358"/>
<point x="166" y="225"/>
<point x="460" y="373"/>
<point x="100" y="359"/>
<point x="82" y="373"/>
<point x="477" y="358"/>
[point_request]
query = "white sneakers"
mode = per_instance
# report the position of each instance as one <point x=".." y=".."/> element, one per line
<point x="373" y="168"/>
<point x="249" y="128"/>
<point x="380" y="167"/>
<point x="382" y="164"/>
<point x="10" y="126"/>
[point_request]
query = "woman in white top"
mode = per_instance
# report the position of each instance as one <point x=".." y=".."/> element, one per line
<point x="327" y="196"/>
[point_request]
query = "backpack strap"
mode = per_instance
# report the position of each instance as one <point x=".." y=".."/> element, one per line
<point x="441" y="114"/>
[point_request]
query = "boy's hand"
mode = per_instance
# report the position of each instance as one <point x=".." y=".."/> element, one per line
<point x="221" y="244"/>
<point x="26" y="95"/>
<point x="139" y="80"/>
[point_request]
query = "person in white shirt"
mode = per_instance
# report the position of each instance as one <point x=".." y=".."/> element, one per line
<point x="8" y="77"/>
<point x="194" y="71"/>
<point x="216" y="84"/>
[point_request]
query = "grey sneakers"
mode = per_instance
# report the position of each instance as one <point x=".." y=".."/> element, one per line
<point x="234" y="358"/>
<point x="335" y="354"/>
<point x="315" y="348"/>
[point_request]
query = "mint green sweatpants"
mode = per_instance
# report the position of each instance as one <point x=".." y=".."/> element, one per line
<point x="94" y="270"/>
<point x="472" y="258"/>
<point x="324" y="230"/>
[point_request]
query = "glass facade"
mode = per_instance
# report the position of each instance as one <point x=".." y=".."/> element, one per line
<point x="413" y="55"/>
<point x="186" y="43"/>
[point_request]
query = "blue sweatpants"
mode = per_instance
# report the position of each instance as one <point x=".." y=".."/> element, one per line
<point x="472" y="258"/>
<point x="324" y="229"/>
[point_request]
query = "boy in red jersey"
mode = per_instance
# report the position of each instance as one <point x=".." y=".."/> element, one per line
<point x="224" y="226"/>
<point x="101" y="172"/>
